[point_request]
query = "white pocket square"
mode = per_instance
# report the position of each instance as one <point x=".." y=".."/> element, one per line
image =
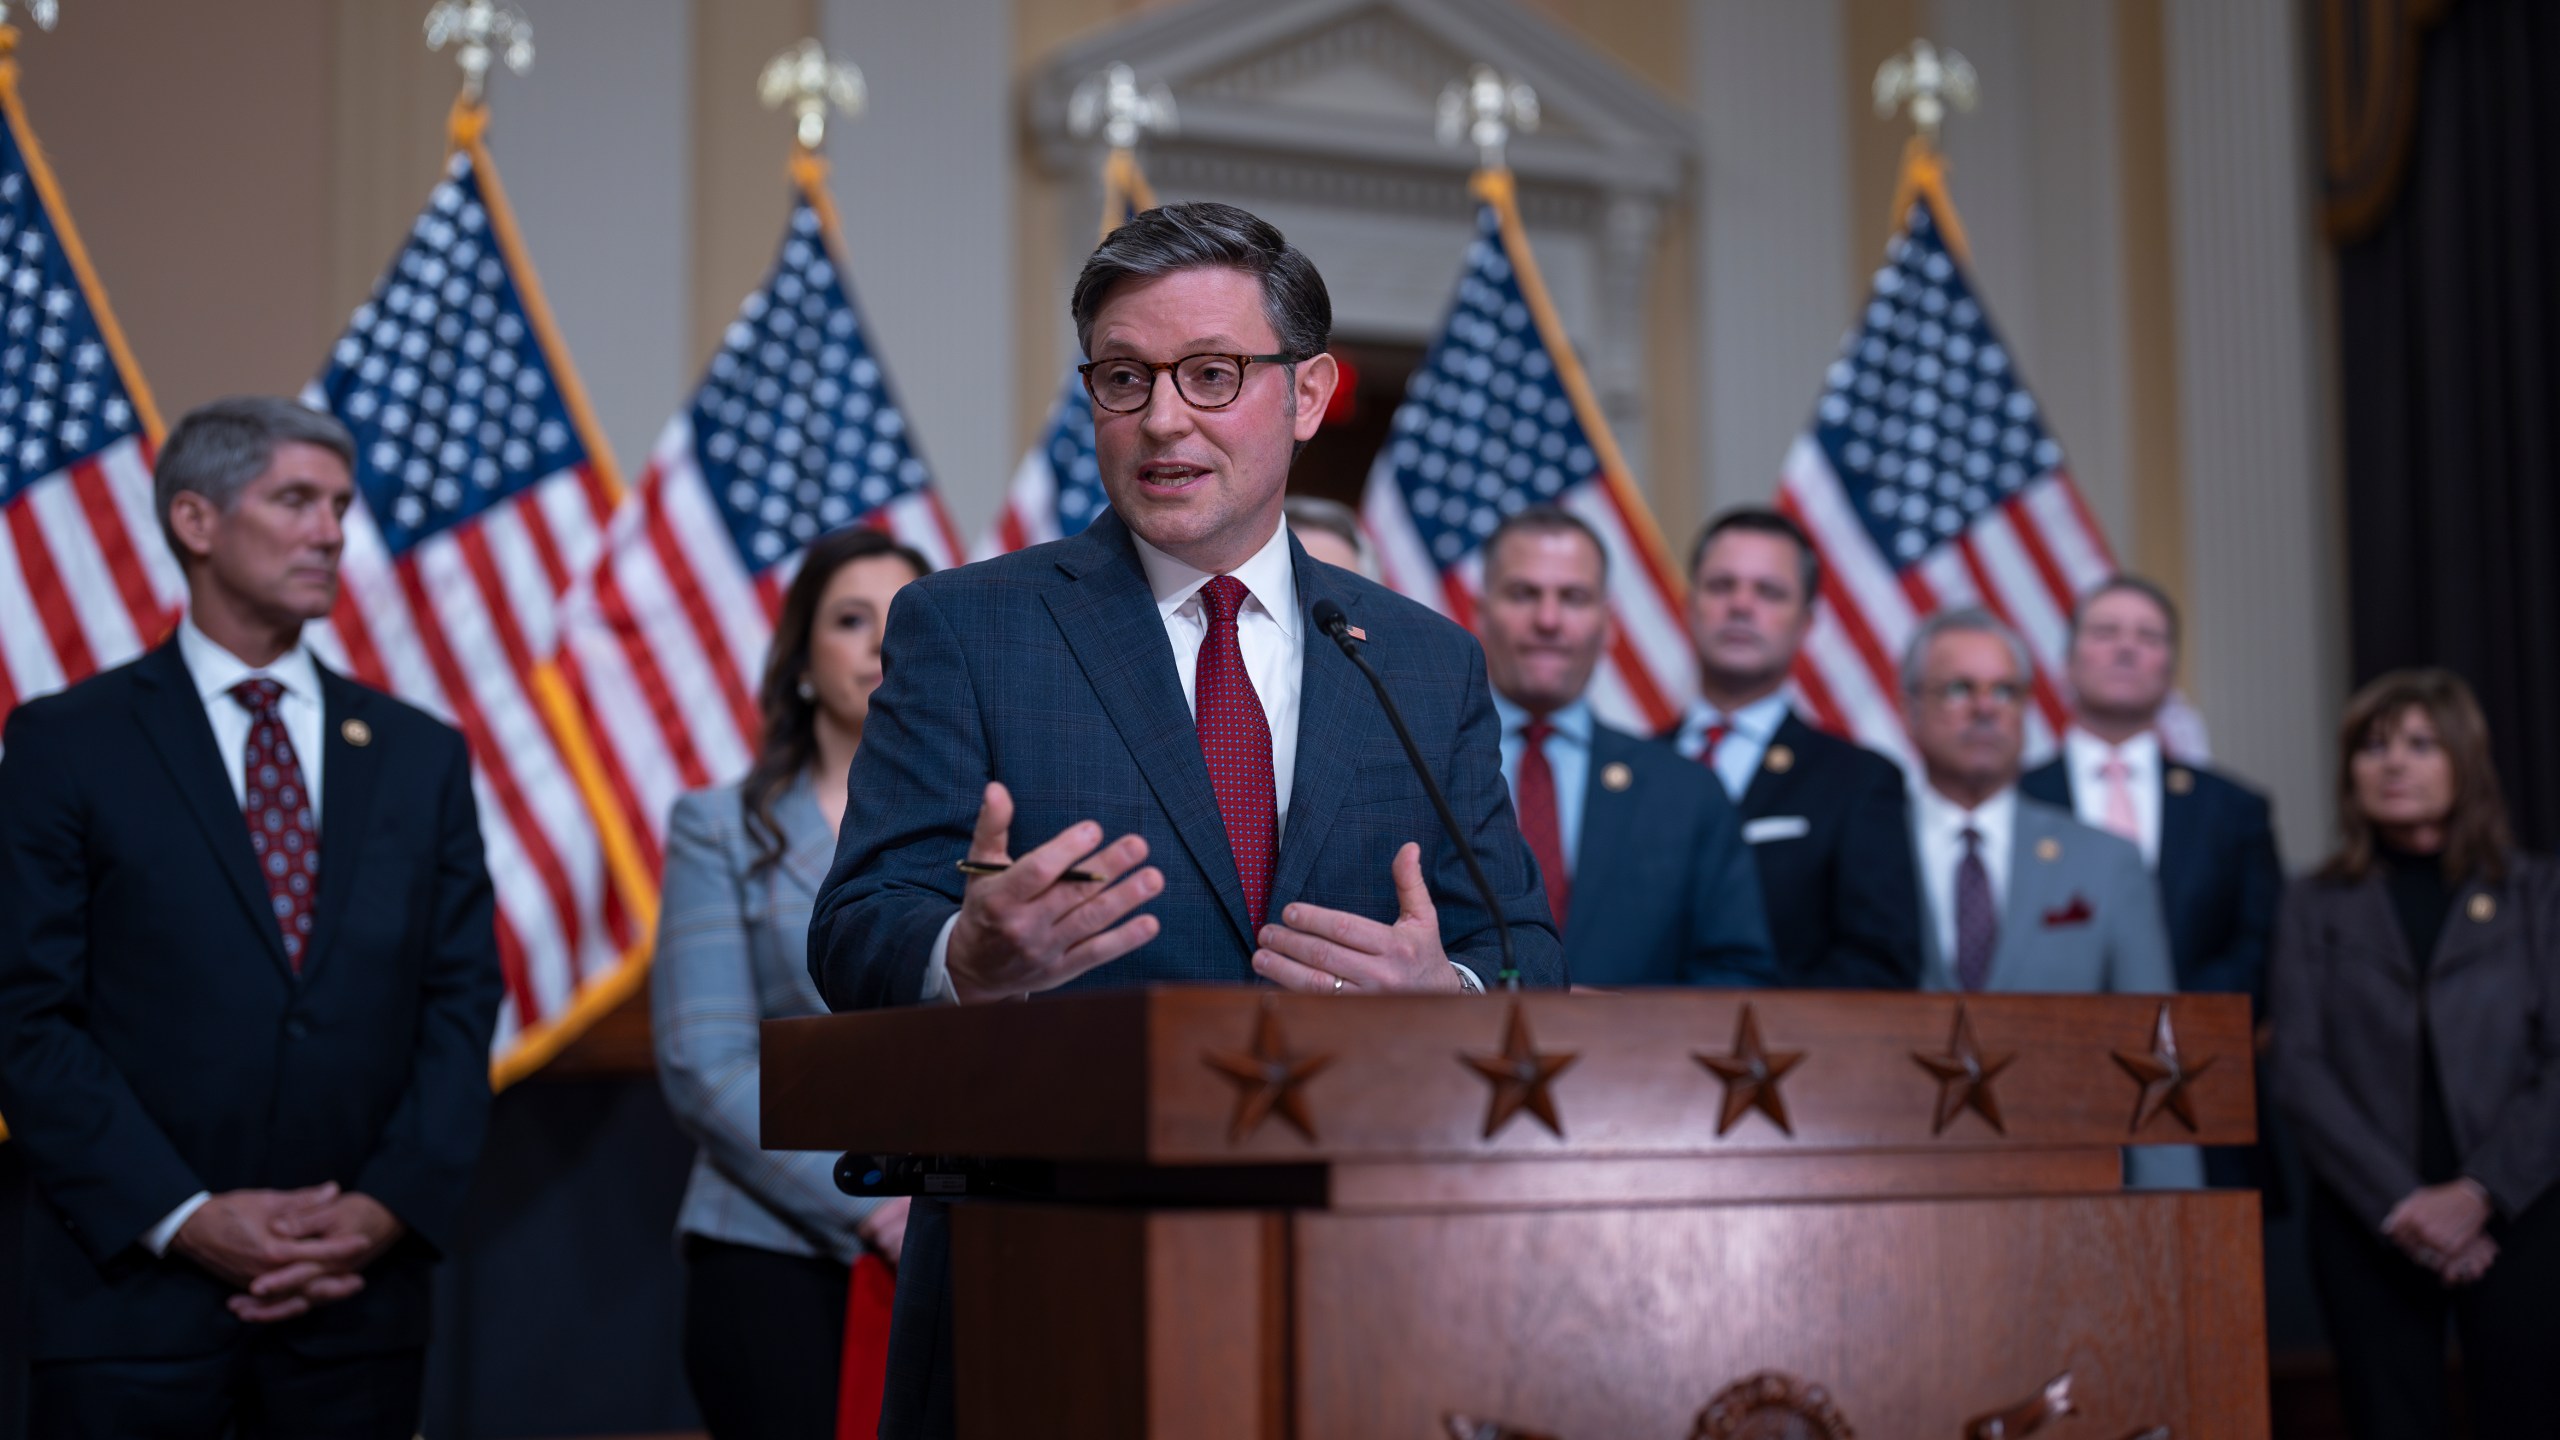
<point x="1775" y="827"/>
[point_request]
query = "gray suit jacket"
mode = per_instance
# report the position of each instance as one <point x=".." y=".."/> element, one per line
<point x="2347" y="1001"/>
<point x="2082" y="917"/>
<point x="733" y="951"/>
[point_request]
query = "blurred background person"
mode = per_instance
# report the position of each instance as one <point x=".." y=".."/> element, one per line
<point x="2415" y="991"/>
<point x="1827" y="821"/>
<point x="1644" y="863"/>
<point x="2019" y="896"/>
<point x="2208" y="838"/>
<point x="769" y="1242"/>
<point x="1330" y="531"/>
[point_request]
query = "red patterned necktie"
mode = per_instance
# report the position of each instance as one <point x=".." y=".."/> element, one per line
<point x="1715" y="737"/>
<point x="1536" y="801"/>
<point x="278" y="809"/>
<point x="1235" y="738"/>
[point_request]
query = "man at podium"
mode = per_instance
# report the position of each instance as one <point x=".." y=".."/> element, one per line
<point x="1201" y="784"/>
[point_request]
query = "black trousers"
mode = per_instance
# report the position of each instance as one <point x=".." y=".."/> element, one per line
<point x="256" y="1390"/>
<point x="763" y="1340"/>
<point x="2387" y="1317"/>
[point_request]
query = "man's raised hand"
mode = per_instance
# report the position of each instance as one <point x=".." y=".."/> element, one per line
<point x="1324" y="951"/>
<point x="1029" y="929"/>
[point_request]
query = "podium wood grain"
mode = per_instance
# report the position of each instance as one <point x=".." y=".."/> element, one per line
<point x="1396" y="1264"/>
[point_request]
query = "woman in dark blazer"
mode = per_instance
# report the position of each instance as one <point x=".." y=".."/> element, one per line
<point x="768" y="1240"/>
<point x="2415" y="991"/>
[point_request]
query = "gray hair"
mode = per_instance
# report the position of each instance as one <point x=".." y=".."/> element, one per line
<point x="1314" y="512"/>
<point x="1969" y="619"/>
<point x="217" y="449"/>
<point x="1203" y="234"/>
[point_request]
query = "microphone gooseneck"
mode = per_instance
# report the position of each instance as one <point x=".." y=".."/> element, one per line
<point x="1330" y="619"/>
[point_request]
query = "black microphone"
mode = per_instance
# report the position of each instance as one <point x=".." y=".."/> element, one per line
<point x="1330" y="619"/>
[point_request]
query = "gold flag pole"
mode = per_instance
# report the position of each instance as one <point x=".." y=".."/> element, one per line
<point x="1930" y="83"/>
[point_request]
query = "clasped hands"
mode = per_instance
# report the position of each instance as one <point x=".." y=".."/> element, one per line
<point x="2444" y="1227"/>
<point x="287" y="1250"/>
<point x="1031" y="929"/>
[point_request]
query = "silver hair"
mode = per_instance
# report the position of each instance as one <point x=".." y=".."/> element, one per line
<point x="1969" y="619"/>
<point x="218" y="448"/>
<point x="1314" y="512"/>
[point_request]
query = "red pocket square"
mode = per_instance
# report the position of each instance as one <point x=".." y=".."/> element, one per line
<point x="2075" y="913"/>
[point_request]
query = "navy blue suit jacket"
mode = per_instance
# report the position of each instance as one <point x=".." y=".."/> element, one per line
<point x="2220" y="880"/>
<point x="1049" y="669"/>
<point x="155" y="1042"/>
<point x="1664" y="892"/>
<point x="1829" y="827"/>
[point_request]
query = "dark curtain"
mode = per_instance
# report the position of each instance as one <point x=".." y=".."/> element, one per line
<point x="2450" y="330"/>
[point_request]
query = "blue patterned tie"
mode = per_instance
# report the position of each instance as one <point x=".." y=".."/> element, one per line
<point x="1977" y="919"/>
<point x="278" y="809"/>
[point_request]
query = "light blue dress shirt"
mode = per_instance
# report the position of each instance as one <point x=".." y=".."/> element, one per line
<point x="1568" y="753"/>
<point x="1738" y="758"/>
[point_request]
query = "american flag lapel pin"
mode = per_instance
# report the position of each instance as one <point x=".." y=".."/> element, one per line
<point x="1357" y="633"/>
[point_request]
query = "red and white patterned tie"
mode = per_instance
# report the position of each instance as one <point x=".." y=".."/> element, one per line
<point x="278" y="808"/>
<point x="1235" y="738"/>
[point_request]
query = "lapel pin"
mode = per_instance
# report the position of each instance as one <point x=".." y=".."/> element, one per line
<point x="2484" y="908"/>
<point x="1780" y="760"/>
<point x="1356" y="633"/>
<point x="356" y="733"/>
<point x="1616" y="776"/>
<point x="2048" y="849"/>
<point x="2181" y="780"/>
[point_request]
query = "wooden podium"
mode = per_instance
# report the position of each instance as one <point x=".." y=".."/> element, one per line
<point x="1654" y="1215"/>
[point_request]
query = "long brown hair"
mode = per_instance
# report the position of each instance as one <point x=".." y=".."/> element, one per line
<point x="2476" y="834"/>
<point x="790" y="742"/>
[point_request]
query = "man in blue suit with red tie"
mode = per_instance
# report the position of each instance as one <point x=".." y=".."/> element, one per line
<point x="1642" y="855"/>
<point x="1149" y="703"/>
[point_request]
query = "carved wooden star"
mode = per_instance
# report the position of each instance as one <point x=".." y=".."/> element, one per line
<point x="1751" y="1074"/>
<point x="1964" y="1078"/>
<point x="2164" y="1077"/>
<point x="1268" y="1078"/>
<point x="1522" y="1077"/>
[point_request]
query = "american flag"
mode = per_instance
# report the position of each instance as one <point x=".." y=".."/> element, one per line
<point x="482" y="488"/>
<point x="1928" y="480"/>
<point x="795" y="431"/>
<point x="1057" y="489"/>
<point x="86" y="582"/>
<point x="1498" y="418"/>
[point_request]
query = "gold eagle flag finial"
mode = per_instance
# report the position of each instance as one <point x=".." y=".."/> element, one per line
<point x="1485" y="110"/>
<point x="481" y="31"/>
<point x="803" y="80"/>
<point x="1930" y="81"/>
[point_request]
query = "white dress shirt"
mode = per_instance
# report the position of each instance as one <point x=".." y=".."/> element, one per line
<point x="1747" y="736"/>
<point x="1272" y="636"/>
<point x="2087" y="757"/>
<point x="215" y="670"/>
<point x="1940" y="825"/>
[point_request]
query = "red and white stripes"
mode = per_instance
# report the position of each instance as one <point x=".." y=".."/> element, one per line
<point x="86" y="581"/>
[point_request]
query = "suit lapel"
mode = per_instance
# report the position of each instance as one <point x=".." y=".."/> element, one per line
<point x="1331" y="695"/>
<point x="1109" y="619"/>
<point x="172" y="715"/>
<point x="808" y="847"/>
<point x="2182" y="845"/>
<point x="348" y="772"/>
<point x="2031" y="872"/>
<point x="1769" y="786"/>
<point x="1608" y="826"/>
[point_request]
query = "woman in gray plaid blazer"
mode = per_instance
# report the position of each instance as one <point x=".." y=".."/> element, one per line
<point x="768" y="1240"/>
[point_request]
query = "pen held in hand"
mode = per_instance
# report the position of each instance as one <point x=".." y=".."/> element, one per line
<point x="992" y="867"/>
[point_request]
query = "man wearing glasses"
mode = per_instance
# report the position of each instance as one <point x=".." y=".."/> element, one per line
<point x="2017" y="895"/>
<point x="1150" y="763"/>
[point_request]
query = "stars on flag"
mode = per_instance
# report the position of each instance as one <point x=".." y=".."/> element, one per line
<point x="441" y="378"/>
<point x="1924" y="416"/>
<point x="60" y="397"/>
<point x="795" y="427"/>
